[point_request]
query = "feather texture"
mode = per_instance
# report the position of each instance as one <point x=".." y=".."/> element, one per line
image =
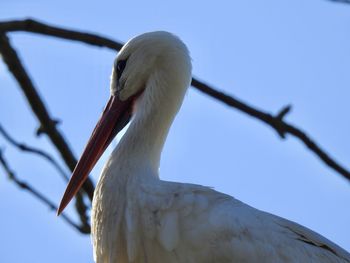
<point x="191" y="223"/>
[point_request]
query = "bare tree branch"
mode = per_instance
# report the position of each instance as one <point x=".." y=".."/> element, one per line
<point x="341" y="1"/>
<point x="47" y="124"/>
<point x="34" y="150"/>
<point x="276" y="122"/>
<point x="25" y="186"/>
<point x="30" y="25"/>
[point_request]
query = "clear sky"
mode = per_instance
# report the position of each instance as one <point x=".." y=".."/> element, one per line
<point x="268" y="53"/>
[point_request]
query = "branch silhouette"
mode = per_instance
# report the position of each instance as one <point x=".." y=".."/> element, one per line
<point x="25" y="148"/>
<point x="276" y="122"/>
<point x="25" y="186"/>
<point x="48" y="125"/>
<point x="340" y="1"/>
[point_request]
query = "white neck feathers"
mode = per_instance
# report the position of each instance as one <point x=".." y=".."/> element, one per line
<point x="154" y="113"/>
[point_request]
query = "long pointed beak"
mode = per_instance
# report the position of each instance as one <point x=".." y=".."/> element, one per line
<point x="115" y="116"/>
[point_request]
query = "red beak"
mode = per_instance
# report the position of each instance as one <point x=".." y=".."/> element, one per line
<point x="114" y="118"/>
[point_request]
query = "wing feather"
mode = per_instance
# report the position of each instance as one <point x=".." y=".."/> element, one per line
<point x="193" y="221"/>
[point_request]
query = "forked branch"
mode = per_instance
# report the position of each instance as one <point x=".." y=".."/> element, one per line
<point x="30" y="149"/>
<point x="47" y="123"/>
<point x="276" y="122"/>
<point x="41" y="197"/>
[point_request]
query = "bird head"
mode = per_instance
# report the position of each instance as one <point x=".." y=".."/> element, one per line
<point x="150" y="68"/>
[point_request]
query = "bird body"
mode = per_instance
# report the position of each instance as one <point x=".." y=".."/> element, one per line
<point x="136" y="216"/>
<point x="151" y="220"/>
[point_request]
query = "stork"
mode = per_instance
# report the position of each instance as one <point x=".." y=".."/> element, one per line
<point x="136" y="217"/>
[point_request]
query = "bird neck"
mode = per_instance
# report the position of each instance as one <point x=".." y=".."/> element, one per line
<point x="154" y="113"/>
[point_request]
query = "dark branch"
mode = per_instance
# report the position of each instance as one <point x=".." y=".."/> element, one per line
<point x="30" y="149"/>
<point x="33" y="26"/>
<point x="47" y="123"/>
<point x="341" y="1"/>
<point x="25" y="186"/>
<point x="276" y="122"/>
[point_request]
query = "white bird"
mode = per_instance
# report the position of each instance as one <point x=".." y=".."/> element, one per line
<point x="136" y="217"/>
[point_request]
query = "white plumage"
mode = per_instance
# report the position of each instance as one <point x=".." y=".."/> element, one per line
<point x="137" y="217"/>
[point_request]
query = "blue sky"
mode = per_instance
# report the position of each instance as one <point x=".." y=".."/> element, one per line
<point x="268" y="53"/>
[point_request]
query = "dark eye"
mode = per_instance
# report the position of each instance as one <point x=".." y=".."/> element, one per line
<point x="120" y="68"/>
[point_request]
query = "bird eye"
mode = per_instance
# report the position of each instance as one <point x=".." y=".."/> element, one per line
<point x="120" y="68"/>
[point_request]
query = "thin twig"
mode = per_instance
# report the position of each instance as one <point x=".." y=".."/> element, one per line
<point x="25" y="186"/>
<point x="276" y="122"/>
<point x="47" y="124"/>
<point x="34" y="150"/>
